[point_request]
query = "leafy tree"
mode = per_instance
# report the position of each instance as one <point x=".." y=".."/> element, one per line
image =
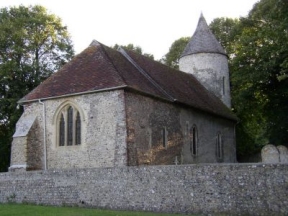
<point x="265" y="43"/>
<point x="226" y="31"/>
<point x="252" y="126"/>
<point x="33" y="44"/>
<point x="136" y="49"/>
<point x="258" y="51"/>
<point x="172" y="57"/>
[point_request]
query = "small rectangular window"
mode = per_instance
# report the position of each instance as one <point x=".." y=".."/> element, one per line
<point x="219" y="147"/>
<point x="193" y="140"/>
<point x="149" y="134"/>
<point x="164" y="137"/>
<point x="223" y="85"/>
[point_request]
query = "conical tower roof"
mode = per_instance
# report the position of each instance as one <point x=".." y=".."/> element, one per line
<point x="203" y="40"/>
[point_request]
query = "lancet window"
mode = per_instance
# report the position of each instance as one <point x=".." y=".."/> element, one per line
<point x="193" y="140"/>
<point x="219" y="147"/>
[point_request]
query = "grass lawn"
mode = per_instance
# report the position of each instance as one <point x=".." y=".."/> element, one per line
<point x="34" y="210"/>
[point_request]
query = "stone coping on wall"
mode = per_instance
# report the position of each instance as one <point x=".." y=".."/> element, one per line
<point x="232" y="189"/>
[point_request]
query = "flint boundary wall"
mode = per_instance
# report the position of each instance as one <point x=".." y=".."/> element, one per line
<point x="232" y="189"/>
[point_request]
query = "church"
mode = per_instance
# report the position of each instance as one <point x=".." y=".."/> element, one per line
<point x="115" y="108"/>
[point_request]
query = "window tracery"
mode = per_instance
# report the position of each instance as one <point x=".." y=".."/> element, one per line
<point x="69" y="126"/>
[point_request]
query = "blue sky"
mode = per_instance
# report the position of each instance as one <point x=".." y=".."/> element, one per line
<point x="151" y="24"/>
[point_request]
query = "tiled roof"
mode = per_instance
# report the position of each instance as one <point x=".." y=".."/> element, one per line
<point x="203" y="41"/>
<point x="88" y="71"/>
<point x="183" y="87"/>
<point x="99" y="68"/>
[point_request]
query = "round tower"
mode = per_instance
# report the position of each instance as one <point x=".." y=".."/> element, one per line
<point x="206" y="59"/>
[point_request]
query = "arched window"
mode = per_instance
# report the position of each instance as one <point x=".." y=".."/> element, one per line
<point x="78" y="129"/>
<point x="219" y="147"/>
<point x="193" y="140"/>
<point x="69" y="126"/>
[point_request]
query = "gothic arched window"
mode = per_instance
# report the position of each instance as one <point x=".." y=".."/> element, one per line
<point x="69" y="126"/>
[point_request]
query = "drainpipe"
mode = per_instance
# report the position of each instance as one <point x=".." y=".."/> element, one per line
<point x="44" y="127"/>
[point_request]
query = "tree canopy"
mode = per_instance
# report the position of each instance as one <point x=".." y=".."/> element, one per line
<point x="226" y="30"/>
<point x="134" y="48"/>
<point x="258" y="48"/>
<point x="172" y="57"/>
<point x="33" y="44"/>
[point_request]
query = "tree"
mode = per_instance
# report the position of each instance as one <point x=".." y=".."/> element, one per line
<point x="258" y="51"/>
<point x="226" y="30"/>
<point x="172" y="57"/>
<point x="252" y="126"/>
<point x="33" y="44"/>
<point x="136" y="49"/>
<point x="267" y="25"/>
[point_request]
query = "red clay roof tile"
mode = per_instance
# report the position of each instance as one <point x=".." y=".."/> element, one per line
<point x="99" y="67"/>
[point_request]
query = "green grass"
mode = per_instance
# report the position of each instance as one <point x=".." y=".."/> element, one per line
<point x="34" y="210"/>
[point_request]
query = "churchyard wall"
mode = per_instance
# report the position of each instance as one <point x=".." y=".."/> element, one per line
<point x="205" y="189"/>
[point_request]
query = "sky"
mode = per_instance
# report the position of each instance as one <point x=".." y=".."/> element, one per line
<point x="151" y="24"/>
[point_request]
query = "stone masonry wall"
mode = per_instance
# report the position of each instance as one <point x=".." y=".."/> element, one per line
<point x="35" y="148"/>
<point x="103" y="132"/>
<point x="226" y="189"/>
<point x="27" y="146"/>
<point x="148" y="117"/>
<point x="209" y="69"/>
<point x="208" y="127"/>
<point x="146" y="120"/>
<point x="19" y="151"/>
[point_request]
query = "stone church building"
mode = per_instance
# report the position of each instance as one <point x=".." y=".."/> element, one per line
<point x="109" y="108"/>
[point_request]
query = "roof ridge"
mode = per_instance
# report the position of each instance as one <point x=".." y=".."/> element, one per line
<point x="109" y="59"/>
<point x="145" y="74"/>
<point x="94" y="43"/>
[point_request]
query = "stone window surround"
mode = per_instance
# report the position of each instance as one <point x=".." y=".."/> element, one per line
<point x="56" y="123"/>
